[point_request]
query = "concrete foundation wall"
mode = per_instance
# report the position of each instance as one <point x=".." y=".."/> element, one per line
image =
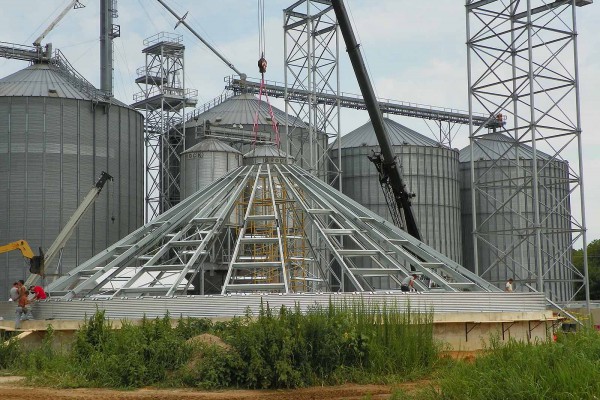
<point x="457" y="332"/>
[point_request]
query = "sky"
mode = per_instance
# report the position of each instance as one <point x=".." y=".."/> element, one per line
<point x="415" y="52"/>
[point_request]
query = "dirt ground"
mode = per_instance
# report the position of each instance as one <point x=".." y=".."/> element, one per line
<point x="12" y="388"/>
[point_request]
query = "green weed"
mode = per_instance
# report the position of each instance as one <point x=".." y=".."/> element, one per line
<point x="567" y="369"/>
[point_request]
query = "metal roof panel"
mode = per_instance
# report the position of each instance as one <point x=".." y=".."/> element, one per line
<point x="496" y="146"/>
<point x="400" y="135"/>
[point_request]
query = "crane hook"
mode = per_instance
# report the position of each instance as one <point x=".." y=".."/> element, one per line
<point x="262" y="65"/>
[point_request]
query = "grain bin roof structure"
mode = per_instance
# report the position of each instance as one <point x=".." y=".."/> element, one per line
<point x="46" y="80"/>
<point x="292" y="233"/>
<point x="399" y="135"/>
<point x="242" y="109"/>
<point x="496" y="146"/>
<point x="232" y="119"/>
<point x="211" y="144"/>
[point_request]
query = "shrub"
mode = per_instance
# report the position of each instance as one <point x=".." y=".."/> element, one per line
<point x="130" y="357"/>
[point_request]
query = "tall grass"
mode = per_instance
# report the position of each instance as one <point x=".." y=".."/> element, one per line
<point x="567" y="369"/>
<point x="340" y="342"/>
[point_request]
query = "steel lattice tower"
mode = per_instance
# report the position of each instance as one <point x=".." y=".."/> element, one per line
<point x="311" y="48"/>
<point x="523" y="69"/>
<point x="163" y="100"/>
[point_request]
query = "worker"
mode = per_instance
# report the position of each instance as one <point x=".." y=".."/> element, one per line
<point x="37" y="292"/>
<point x="23" y="310"/>
<point x="509" y="285"/>
<point x="408" y="284"/>
<point x="14" y="292"/>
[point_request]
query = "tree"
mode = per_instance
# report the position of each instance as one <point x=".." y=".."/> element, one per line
<point x="593" y="253"/>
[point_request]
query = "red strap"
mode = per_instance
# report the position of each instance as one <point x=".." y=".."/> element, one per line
<point x="274" y="124"/>
<point x="255" y="124"/>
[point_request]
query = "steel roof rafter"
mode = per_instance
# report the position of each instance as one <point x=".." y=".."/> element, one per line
<point x="289" y="232"/>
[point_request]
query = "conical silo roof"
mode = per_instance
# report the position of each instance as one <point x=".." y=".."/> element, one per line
<point x="242" y="109"/>
<point x="265" y="151"/>
<point x="496" y="146"/>
<point x="212" y="144"/>
<point x="287" y="227"/>
<point x="40" y="80"/>
<point x="46" y="80"/>
<point x="400" y="135"/>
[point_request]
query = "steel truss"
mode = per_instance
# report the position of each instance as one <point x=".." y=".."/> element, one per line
<point x="522" y="64"/>
<point x="163" y="100"/>
<point x="273" y="228"/>
<point x="311" y="49"/>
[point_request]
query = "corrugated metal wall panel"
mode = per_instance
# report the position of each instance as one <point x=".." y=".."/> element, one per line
<point x="101" y="147"/>
<point x="4" y="189"/>
<point x="35" y="170"/>
<point x="75" y="147"/>
<point x="121" y="185"/>
<point x="228" y="306"/>
<point x="52" y="171"/>
<point x="199" y="169"/>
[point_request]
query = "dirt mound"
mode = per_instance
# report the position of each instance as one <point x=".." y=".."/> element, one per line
<point x="207" y="339"/>
<point x="199" y="344"/>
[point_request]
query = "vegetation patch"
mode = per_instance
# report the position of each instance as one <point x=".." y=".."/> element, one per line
<point x="566" y="369"/>
<point x="285" y="348"/>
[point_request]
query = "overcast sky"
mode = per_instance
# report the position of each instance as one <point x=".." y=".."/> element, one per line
<point x="415" y="52"/>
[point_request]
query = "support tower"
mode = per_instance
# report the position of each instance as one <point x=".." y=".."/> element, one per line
<point x="311" y="48"/>
<point x="163" y="100"/>
<point x="523" y="71"/>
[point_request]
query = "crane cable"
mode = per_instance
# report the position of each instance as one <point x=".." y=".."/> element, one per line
<point x="262" y="68"/>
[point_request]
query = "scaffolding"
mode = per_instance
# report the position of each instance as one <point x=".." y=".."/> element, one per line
<point x="163" y="99"/>
<point x="523" y="68"/>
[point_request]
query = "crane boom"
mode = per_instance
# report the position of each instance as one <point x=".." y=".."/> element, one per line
<point x="69" y="228"/>
<point x="73" y="4"/>
<point x="181" y="20"/>
<point x="389" y="165"/>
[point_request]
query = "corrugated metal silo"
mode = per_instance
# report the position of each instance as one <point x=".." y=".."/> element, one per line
<point x="496" y="161"/>
<point x="429" y="170"/>
<point x="206" y="162"/>
<point x="54" y="142"/>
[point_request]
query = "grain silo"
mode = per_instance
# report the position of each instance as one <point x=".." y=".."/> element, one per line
<point x="232" y="121"/>
<point x="205" y="162"/>
<point x="56" y="136"/>
<point x="501" y="164"/>
<point x="429" y="170"/>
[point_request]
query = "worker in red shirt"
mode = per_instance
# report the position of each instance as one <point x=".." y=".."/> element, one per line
<point x="38" y="292"/>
